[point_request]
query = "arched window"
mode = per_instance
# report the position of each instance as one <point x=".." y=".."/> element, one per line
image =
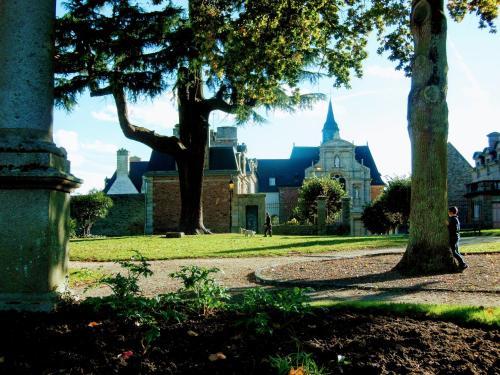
<point x="340" y="179"/>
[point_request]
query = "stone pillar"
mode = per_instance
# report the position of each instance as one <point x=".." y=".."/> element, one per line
<point x="346" y="213"/>
<point x="321" y="214"/>
<point x="34" y="174"/>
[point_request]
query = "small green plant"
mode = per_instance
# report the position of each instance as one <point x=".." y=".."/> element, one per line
<point x="128" y="303"/>
<point x="297" y="363"/>
<point x="292" y="221"/>
<point x="264" y="310"/>
<point x="124" y="286"/>
<point x="201" y="292"/>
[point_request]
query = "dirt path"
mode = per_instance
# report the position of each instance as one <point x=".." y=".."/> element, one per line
<point x="238" y="273"/>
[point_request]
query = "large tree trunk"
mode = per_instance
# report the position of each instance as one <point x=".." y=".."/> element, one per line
<point x="193" y="128"/>
<point x="428" y="251"/>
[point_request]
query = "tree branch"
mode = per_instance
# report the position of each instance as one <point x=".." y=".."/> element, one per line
<point x="101" y="92"/>
<point x="161" y="143"/>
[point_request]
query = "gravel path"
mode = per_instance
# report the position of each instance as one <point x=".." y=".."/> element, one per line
<point x="238" y="273"/>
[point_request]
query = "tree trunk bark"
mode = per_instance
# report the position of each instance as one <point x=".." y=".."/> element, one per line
<point x="193" y="128"/>
<point x="428" y="251"/>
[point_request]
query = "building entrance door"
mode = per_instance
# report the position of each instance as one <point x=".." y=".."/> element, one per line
<point x="252" y="218"/>
<point x="496" y="214"/>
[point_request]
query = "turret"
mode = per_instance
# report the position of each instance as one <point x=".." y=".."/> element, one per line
<point x="330" y="129"/>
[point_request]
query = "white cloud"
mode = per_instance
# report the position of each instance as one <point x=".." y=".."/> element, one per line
<point x="69" y="140"/>
<point x="106" y="114"/>
<point x="160" y="114"/>
<point x="101" y="147"/>
<point x="384" y="72"/>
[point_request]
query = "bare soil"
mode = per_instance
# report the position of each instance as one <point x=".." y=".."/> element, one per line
<point x="64" y="343"/>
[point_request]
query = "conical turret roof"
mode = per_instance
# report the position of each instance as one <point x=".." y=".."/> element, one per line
<point x="331" y="128"/>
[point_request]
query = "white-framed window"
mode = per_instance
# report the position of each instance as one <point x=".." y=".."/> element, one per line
<point x="272" y="181"/>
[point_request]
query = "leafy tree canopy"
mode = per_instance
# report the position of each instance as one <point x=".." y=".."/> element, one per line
<point x="248" y="52"/>
<point x="309" y="192"/>
<point x="391" y="208"/>
<point x="86" y="209"/>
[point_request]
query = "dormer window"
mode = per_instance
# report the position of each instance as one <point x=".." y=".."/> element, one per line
<point x="272" y="181"/>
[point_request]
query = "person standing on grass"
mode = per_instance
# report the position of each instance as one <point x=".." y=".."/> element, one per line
<point x="454" y="233"/>
<point x="268" y="227"/>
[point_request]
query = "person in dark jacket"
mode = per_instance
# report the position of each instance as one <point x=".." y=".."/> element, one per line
<point x="454" y="235"/>
<point x="268" y="227"/>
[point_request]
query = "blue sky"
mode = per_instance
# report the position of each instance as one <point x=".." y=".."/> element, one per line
<point x="373" y="111"/>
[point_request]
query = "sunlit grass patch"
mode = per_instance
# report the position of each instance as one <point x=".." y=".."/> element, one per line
<point x="489" y="316"/>
<point x="80" y="277"/>
<point x="221" y="245"/>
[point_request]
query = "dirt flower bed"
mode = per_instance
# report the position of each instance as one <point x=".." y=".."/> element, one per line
<point x="376" y="272"/>
<point x="77" y="340"/>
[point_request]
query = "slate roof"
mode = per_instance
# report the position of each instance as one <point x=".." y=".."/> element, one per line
<point x="221" y="158"/>
<point x="137" y="169"/>
<point x="287" y="172"/>
<point x="291" y="172"/>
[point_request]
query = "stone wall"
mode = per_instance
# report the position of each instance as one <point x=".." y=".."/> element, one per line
<point x="125" y="218"/>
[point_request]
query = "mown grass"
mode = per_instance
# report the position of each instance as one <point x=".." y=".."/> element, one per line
<point x="484" y="232"/>
<point x="488" y="316"/>
<point x="220" y="245"/>
<point x="234" y="245"/>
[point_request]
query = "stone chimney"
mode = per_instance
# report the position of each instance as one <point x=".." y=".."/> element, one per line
<point x="493" y="138"/>
<point x="122" y="163"/>
<point x="226" y="136"/>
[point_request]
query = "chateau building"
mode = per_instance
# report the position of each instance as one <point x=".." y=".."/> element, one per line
<point x="483" y="191"/>
<point x="353" y="166"/>
<point x="157" y="180"/>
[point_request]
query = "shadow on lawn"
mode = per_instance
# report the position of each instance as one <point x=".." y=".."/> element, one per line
<point x="331" y="242"/>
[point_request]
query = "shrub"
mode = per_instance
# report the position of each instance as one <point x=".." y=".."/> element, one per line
<point x="86" y="209"/>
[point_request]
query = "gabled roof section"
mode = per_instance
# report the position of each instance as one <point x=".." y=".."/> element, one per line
<point x="137" y="169"/>
<point x="363" y="155"/>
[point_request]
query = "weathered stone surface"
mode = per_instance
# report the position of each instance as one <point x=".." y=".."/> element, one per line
<point x="34" y="173"/>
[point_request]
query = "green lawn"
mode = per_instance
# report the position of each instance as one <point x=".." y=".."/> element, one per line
<point x="232" y="245"/>
<point x="220" y="245"/>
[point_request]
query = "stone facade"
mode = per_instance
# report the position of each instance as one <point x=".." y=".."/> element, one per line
<point x="483" y="192"/>
<point x="459" y="175"/>
<point x="125" y="218"/>
<point x="249" y="212"/>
